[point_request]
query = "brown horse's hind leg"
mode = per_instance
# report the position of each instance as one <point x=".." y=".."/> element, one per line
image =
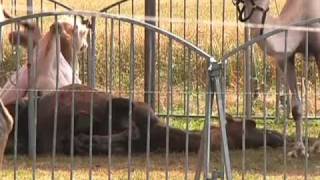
<point x="100" y="143"/>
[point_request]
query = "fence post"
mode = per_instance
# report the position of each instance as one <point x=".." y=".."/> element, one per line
<point x="31" y="105"/>
<point x="149" y="49"/>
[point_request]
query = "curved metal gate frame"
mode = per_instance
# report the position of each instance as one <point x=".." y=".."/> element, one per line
<point x="214" y="87"/>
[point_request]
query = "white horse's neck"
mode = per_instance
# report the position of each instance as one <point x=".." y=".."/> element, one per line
<point x="292" y="12"/>
<point x="45" y="53"/>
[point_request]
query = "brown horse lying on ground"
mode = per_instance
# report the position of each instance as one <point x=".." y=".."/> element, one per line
<point x="120" y="115"/>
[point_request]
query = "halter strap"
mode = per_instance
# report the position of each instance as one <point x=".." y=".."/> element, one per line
<point x="255" y="7"/>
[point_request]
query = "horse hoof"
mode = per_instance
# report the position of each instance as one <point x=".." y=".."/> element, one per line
<point x="299" y="151"/>
<point x="315" y="148"/>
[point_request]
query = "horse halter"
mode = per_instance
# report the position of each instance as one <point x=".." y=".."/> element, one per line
<point x="240" y="5"/>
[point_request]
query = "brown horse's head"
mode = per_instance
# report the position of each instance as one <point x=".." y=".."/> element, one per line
<point x="30" y="30"/>
<point x="254" y="136"/>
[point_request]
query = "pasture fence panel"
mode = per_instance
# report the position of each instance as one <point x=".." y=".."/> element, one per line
<point x="171" y="92"/>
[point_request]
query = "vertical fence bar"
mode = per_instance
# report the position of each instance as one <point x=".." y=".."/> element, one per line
<point x="119" y="51"/>
<point x="93" y="85"/>
<point x="188" y="92"/>
<point x="149" y="49"/>
<point x="278" y="82"/>
<point x="207" y="132"/>
<point x="93" y="52"/>
<point x="238" y="66"/>
<point x="31" y="105"/>
<point x="247" y="77"/>
<point x="264" y="112"/>
<point x="1" y="47"/>
<point x="184" y="57"/>
<point x="106" y="51"/>
<point x="56" y="107"/>
<point x="16" y="120"/>
<point x="197" y="64"/>
<point x="30" y="95"/>
<point x="159" y="56"/>
<point x="111" y="58"/>
<point x="131" y="95"/>
<point x="246" y="105"/>
<point x="285" y="108"/>
<point x="169" y="107"/>
<point x="306" y="74"/>
<point x="29" y="7"/>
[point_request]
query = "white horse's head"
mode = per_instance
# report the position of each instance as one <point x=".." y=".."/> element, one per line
<point x="76" y="31"/>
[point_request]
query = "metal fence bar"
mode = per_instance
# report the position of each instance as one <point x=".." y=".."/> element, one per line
<point x="54" y="140"/>
<point x="306" y="122"/>
<point x="285" y="108"/>
<point x="265" y="156"/>
<point x="169" y="102"/>
<point x="93" y="53"/>
<point x="16" y="120"/>
<point x="131" y="96"/>
<point x="158" y="56"/>
<point x="119" y="51"/>
<point x="222" y="120"/>
<point x="150" y="11"/>
<point x="197" y="64"/>
<point x="187" y="91"/>
<point x="111" y="61"/>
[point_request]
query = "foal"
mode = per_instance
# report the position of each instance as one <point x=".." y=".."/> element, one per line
<point x="72" y="41"/>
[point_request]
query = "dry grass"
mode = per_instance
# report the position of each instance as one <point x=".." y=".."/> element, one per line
<point x="254" y="166"/>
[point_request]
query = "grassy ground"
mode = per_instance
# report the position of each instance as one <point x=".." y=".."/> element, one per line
<point x="254" y="164"/>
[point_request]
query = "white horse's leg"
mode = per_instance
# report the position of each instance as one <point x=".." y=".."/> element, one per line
<point x="299" y="148"/>
<point x="8" y="93"/>
<point x="6" y="124"/>
<point x="315" y="148"/>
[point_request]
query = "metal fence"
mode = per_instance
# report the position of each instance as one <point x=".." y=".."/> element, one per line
<point x="116" y="75"/>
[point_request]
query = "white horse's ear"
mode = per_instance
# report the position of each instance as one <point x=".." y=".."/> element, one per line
<point x="86" y="22"/>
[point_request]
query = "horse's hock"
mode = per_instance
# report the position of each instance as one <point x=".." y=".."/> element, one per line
<point x="128" y="62"/>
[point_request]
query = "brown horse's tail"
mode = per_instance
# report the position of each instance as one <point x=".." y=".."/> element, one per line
<point x="177" y="139"/>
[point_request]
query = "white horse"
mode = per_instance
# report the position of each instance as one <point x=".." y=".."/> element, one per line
<point x="45" y="59"/>
<point x="294" y="11"/>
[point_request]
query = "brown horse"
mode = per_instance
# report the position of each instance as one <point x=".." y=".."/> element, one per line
<point x="120" y="125"/>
